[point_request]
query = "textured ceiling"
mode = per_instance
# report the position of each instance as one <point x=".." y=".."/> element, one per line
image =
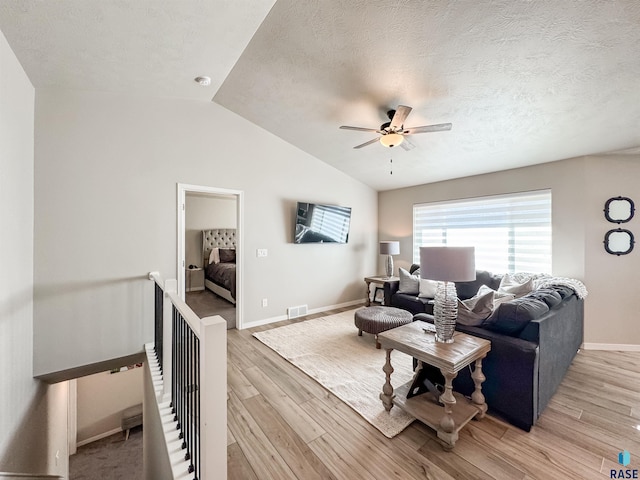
<point x="146" y="47"/>
<point x="523" y="82"/>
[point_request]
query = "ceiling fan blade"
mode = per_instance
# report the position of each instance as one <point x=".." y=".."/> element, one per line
<point x="367" y="143"/>
<point x="360" y="129"/>
<point x="400" y="116"/>
<point x="440" y="127"/>
<point x="407" y="144"/>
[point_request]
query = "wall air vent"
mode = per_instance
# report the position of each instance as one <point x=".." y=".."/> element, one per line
<point x="295" y="312"/>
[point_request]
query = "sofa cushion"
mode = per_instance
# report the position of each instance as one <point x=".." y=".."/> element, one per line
<point x="412" y="303"/>
<point x="547" y="295"/>
<point x="409" y="283"/>
<point x="511" y="317"/>
<point x="563" y="291"/>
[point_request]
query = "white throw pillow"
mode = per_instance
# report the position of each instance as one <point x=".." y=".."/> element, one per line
<point x="473" y="311"/>
<point x="408" y="283"/>
<point x="498" y="297"/>
<point x="509" y="285"/>
<point x="214" y="256"/>
<point x="427" y="288"/>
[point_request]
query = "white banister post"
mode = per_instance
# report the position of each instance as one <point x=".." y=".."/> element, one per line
<point x="170" y="286"/>
<point x="213" y="397"/>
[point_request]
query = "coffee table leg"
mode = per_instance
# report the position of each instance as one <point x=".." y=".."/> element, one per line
<point x="477" y="397"/>
<point x="387" y="389"/>
<point x="447" y="431"/>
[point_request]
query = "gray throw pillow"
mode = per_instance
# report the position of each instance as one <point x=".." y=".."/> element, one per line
<point x="409" y="284"/>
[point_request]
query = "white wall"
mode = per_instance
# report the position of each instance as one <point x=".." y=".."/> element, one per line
<point x="106" y="170"/>
<point x="204" y="212"/>
<point x="32" y="415"/>
<point x="579" y="188"/>
<point x="102" y="399"/>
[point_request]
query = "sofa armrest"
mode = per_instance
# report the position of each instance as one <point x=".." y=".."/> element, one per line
<point x="390" y="287"/>
<point x="560" y="334"/>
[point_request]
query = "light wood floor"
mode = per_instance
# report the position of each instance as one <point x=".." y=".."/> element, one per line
<point x="284" y="425"/>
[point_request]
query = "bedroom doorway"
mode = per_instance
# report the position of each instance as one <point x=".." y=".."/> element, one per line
<point x="210" y="209"/>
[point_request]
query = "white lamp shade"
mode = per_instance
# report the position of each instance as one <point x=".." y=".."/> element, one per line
<point x="391" y="139"/>
<point x="389" y="248"/>
<point x="448" y="264"/>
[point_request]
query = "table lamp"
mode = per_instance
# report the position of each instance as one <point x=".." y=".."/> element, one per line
<point x="389" y="248"/>
<point x="447" y="265"/>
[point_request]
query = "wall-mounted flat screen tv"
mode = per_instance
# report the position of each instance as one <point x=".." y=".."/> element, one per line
<point x="317" y="223"/>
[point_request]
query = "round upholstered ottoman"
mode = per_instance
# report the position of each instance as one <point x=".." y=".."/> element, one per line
<point x="375" y="320"/>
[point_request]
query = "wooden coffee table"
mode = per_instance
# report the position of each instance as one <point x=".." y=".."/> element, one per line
<point x="450" y="358"/>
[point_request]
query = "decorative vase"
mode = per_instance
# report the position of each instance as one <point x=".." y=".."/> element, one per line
<point x="445" y="311"/>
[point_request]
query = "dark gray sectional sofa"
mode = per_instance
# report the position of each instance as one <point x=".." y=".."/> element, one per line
<point x="533" y="342"/>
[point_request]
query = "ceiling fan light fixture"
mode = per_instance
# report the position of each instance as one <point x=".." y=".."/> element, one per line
<point x="391" y="139"/>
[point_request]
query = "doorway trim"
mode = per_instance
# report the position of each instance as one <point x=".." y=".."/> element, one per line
<point x="183" y="189"/>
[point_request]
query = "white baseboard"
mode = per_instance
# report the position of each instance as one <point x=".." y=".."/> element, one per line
<point x="620" y="347"/>
<point x="279" y="318"/>
<point x="100" y="436"/>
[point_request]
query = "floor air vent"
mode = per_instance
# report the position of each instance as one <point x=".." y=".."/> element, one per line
<point x="295" y="312"/>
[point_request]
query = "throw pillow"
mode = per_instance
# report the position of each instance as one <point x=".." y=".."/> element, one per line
<point x="214" y="256"/>
<point x="509" y="285"/>
<point x="408" y="283"/>
<point x="473" y="311"/>
<point x="427" y="288"/>
<point x="498" y="297"/>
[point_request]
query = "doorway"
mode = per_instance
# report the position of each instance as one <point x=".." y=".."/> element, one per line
<point x="193" y="218"/>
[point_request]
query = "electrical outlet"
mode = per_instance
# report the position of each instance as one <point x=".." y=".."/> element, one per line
<point x="261" y="252"/>
<point x="264" y="302"/>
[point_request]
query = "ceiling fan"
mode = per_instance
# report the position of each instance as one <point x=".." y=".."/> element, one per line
<point x="393" y="133"/>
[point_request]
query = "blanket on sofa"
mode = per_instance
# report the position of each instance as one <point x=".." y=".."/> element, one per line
<point x="543" y="280"/>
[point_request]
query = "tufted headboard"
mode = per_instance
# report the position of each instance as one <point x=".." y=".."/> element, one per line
<point x="217" y="237"/>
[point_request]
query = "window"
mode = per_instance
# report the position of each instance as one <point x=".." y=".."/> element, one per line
<point x="511" y="233"/>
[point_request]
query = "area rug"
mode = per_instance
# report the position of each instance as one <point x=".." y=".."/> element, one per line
<point x="330" y="351"/>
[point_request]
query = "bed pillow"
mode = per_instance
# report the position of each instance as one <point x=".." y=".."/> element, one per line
<point x="510" y="285"/>
<point x="214" y="256"/>
<point x="228" y="255"/>
<point x="409" y="284"/>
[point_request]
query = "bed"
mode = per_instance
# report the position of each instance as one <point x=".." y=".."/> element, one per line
<point x="219" y="261"/>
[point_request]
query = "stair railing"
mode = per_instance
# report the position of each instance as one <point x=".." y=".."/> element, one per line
<point x="194" y="358"/>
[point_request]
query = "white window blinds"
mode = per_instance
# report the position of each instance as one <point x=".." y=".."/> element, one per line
<point x="511" y="233"/>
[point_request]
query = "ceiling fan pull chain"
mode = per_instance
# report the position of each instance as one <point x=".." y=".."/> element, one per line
<point x="391" y="166"/>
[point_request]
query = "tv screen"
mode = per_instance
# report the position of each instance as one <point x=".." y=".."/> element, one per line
<point x="317" y="223"/>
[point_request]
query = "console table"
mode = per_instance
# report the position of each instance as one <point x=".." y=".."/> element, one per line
<point x="450" y="358"/>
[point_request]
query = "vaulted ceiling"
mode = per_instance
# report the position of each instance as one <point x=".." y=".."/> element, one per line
<point x="523" y="82"/>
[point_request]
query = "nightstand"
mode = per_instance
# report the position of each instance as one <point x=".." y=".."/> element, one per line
<point x="194" y="279"/>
